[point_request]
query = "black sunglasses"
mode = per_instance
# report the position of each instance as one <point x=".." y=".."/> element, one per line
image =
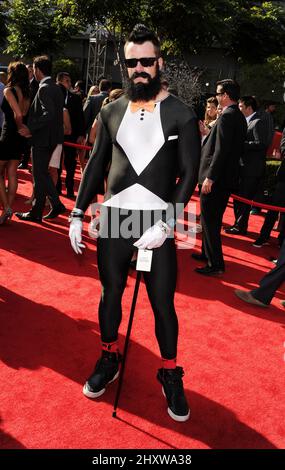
<point x="144" y="61"/>
<point x="220" y="93"/>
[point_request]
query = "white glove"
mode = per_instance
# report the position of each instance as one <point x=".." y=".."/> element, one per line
<point x="153" y="237"/>
<point x="75" y="231"/>
<point x="93" y="228"/>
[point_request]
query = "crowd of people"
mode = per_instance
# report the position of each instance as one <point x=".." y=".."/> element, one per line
<point x="149" y="151"/>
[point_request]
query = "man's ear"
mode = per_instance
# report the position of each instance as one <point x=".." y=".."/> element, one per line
<point x="160" y="63"/>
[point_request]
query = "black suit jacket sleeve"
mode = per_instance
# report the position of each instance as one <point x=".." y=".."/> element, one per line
<point x="96" y="167"/>
<point x="74" y="106"/>
<point x="258" y="141"/>
<point x="224" y="139"/>
<point x="45" y="110"/>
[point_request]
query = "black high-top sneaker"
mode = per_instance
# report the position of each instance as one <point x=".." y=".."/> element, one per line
<point x="105" y="372"/>
<point x="172" y="389"/>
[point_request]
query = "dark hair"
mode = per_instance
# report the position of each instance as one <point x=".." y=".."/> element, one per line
<point x="249" y="101"/>
<point x="105" y="85"/>
<point x="79" y="84"/>
<point x="141" y="34"/>
<point x="61" y="75"/>
<point x="231" y="88"/>
<point x="18" y="75"/>
<point x="43" y="63"/>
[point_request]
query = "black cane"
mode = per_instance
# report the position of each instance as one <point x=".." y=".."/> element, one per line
<point x="134" y="301"/>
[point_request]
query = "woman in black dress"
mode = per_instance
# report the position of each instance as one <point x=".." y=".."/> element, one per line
<point x="15" y="106"/>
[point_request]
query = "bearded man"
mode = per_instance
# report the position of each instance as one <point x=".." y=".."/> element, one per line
<point x="150" y="141"/>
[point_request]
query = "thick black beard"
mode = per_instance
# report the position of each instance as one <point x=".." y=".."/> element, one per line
<point x="144" y="91"/>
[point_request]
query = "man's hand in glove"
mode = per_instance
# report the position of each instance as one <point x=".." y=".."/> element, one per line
<point x="75" y="235"/>
<point x="154" y="237"/>
<point x="93" y="228"/>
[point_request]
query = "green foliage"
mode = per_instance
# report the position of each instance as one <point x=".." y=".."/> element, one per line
<point x="250" y="30"/>
<point x="40" y="26"/>
<point x="3" y="23"/>
<point x="264" y="80"/>
<point x="66" y="65"/>
<point x="257" y="31"/>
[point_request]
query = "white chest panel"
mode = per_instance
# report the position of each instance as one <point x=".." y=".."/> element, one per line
<point x="136" y="197"/>
<point x="140" y="138"/>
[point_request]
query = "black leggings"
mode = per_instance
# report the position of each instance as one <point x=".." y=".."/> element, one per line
<point x="114" y="256"/>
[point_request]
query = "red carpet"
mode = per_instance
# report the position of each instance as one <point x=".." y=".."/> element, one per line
<point x="232" y="353"/>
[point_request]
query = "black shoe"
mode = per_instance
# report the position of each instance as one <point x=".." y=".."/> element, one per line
<point x="105" y="372"/>
<point x="199" y="256"/>
<point x="28" y="217"/>
<point x="172" y="388"/>
<point x="236" y="231"/>
<point x="55" y="211"/>
<point x="210" y="270"/>
<point x="260" y="242"/>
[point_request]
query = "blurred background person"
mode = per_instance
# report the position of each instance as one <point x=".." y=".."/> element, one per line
<point x="210" y="116"/>
<point x="73" y="104"/>
<point x="3" y="77"/>
<point x="15" y="107"/>
<point x="79" y="90"/>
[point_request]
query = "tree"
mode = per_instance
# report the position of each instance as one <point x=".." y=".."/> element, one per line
<point x="250" y="30"/>
<point x="264" y="80"/>
<point x="184" y="80"/>
<point x="3" y="23"/>
<point x="40" y="26"/>
<point x="66" y="65"/>
<point x="257" y="31"/>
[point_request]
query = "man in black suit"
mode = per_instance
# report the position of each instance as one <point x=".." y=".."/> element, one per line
<point x="45" y="127"/>
<point x="73" y="103"/>
<point x="268" y="285"/>
<point x="253" y="163"/>
<point x="94" y="103"/>
<point x="218" y="174"/>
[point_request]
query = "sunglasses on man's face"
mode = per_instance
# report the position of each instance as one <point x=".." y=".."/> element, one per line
<point x="144" y="61"/>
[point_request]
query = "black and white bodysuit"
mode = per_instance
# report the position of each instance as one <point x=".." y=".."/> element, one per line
<point x="153" y="160"/>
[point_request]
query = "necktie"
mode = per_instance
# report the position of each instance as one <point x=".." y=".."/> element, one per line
<point x="146" y="105"/>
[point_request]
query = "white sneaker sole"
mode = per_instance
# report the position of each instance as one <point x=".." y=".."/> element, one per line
<point x="180" y="419"/>
<point x="260" y="246"/>
<point x="89" y="394"/>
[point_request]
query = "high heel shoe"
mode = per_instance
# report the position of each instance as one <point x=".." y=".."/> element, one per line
<point x="6" y="216"/>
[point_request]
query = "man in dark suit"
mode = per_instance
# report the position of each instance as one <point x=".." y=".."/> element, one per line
<point x="218" y="174"/>
<point x="73" y="103"/>
<point x="94" y="103"/>
<point x="268" y="285"/>
<point x="253" y="163"/>
<point x="45" y="127"/>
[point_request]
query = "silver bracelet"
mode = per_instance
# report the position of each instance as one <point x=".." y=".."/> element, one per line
<point x="76" y="214"/>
